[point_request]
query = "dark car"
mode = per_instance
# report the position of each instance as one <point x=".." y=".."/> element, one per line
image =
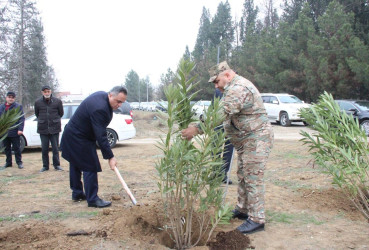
<point x="125" y="109"/>
<point x="162" y="106"/>
<point x="359" y="109"/>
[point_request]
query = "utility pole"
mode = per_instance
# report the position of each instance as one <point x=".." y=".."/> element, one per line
<point x="139" y="95"/>
<point x="218" y="54"/>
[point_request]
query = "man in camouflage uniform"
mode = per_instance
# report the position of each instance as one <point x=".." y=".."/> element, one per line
<point x="246" y="124"/>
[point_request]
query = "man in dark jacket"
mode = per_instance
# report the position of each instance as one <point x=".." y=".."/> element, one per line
<point x="13" y="137"/>
<point x="78" y="143"/>
<point x="228" y="147"/>
<point x="49" y="111"/>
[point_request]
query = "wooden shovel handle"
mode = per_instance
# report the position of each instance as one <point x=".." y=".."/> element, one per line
<point x="125" y="186"/>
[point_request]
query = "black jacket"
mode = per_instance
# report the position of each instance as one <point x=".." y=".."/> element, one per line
<point x="88" y="125"/>
<point x="14" y="132"/>
<point x="49" y="115"/>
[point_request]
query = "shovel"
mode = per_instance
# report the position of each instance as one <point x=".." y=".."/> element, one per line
<point x="125" y="186"/>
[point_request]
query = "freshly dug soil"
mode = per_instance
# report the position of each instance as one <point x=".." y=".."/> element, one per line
<point x="232" y="240"/>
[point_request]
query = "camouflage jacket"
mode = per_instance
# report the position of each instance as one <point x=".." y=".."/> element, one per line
<point x="244" y="109"/>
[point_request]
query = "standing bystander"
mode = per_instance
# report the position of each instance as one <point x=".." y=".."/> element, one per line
<point x="12" y="140"/>
<point x="49" y="111"/>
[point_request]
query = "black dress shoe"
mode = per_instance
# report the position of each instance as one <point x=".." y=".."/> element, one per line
<point x="7" y="165"/>
<point x="99" y="203"/>
<point x="80" y="197"/>
<point x="20" y="166"/>
<point x="249" y="227"/>
<point x="229" y="182"/>
<point x="58" y="168"/>
<point x="43" y="169"/>
<point x="239" y="215"/>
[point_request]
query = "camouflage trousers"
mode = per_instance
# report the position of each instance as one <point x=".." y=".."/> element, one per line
<point x="253" y="153"/>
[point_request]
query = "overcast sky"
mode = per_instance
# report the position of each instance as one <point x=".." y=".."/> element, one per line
<point x="93" y="44"/>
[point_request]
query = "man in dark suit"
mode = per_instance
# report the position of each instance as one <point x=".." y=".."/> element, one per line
<point x="78" y="143"/>
<point x="228" y="147"/>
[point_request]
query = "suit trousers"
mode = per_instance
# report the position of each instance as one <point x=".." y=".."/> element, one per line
<point x="227" y="153"/>
<point x="227" y="156"/>
<point x="45" y="141"/>
<point x="8" y="142"/>
<point x="90" y="183"/>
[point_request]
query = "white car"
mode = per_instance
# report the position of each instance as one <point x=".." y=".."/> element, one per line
<point x="200" y="107"/>
<point x="283" y="108"/>
<point x="120" y="128"/>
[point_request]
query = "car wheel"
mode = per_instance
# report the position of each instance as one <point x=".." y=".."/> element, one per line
<point x="365" y="126"/>
<point x="112" y="137"/>
<point x="22" y="143"/>
<point x="284" y="120"/>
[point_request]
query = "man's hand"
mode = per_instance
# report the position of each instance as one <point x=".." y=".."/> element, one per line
<point x="20" y="132"/>
<point x="189" y="132"/>
<point x="112" y="163"/>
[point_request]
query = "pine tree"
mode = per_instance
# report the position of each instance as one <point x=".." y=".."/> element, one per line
<point x="203" y="36"/>
<point x="37" y="71"/>
<point x="132" y="83"/>
<point x="294" y="40"/>
<point x="248" y="20"/>
<point x="24" y="68"/>
<point x="222" y="30"/>
<point x="165" y="80"/>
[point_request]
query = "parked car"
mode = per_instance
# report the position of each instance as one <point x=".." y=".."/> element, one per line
<point x="135" y="105"/>
<point x="283" y="108"/>
<point x="162" y="106"/>
<point x="200" y="107"/>
<point x="151" y="106"/>
<point x="125" y="109"/>
<point x="359" y="109"/>
<point x="120" y="128"/>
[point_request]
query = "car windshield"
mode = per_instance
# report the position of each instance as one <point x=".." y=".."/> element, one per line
<point x="289" y="99"/>
<point x="363" y="105"/>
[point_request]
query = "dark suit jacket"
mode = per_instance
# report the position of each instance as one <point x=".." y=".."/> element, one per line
<point x="88" y="125"/>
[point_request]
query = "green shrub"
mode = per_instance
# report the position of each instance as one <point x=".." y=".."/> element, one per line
<point x="8" y="121"/>
<point x="340" y="148"/>
<point x="189" y="175"/>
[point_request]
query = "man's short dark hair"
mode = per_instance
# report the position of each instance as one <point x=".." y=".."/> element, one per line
<point x="118" y="89"/>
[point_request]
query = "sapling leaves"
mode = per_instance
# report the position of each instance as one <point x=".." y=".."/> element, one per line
<point x="189" y="171"/>
<point x="340" y="147"/>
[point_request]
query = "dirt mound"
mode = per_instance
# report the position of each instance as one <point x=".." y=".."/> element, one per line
<point x="330" y="200"/>
<point x="33" y="233"/>
<point x="232" y="240"/>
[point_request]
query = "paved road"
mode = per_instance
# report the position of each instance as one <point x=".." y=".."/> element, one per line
<point x="280" y="133"/>
<point x="289" y="133"/>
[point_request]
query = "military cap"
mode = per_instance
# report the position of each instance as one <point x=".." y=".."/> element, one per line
<point x="10" y="93"/>
<point x="217" y="69"/>
<point x="45" y="87"/>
